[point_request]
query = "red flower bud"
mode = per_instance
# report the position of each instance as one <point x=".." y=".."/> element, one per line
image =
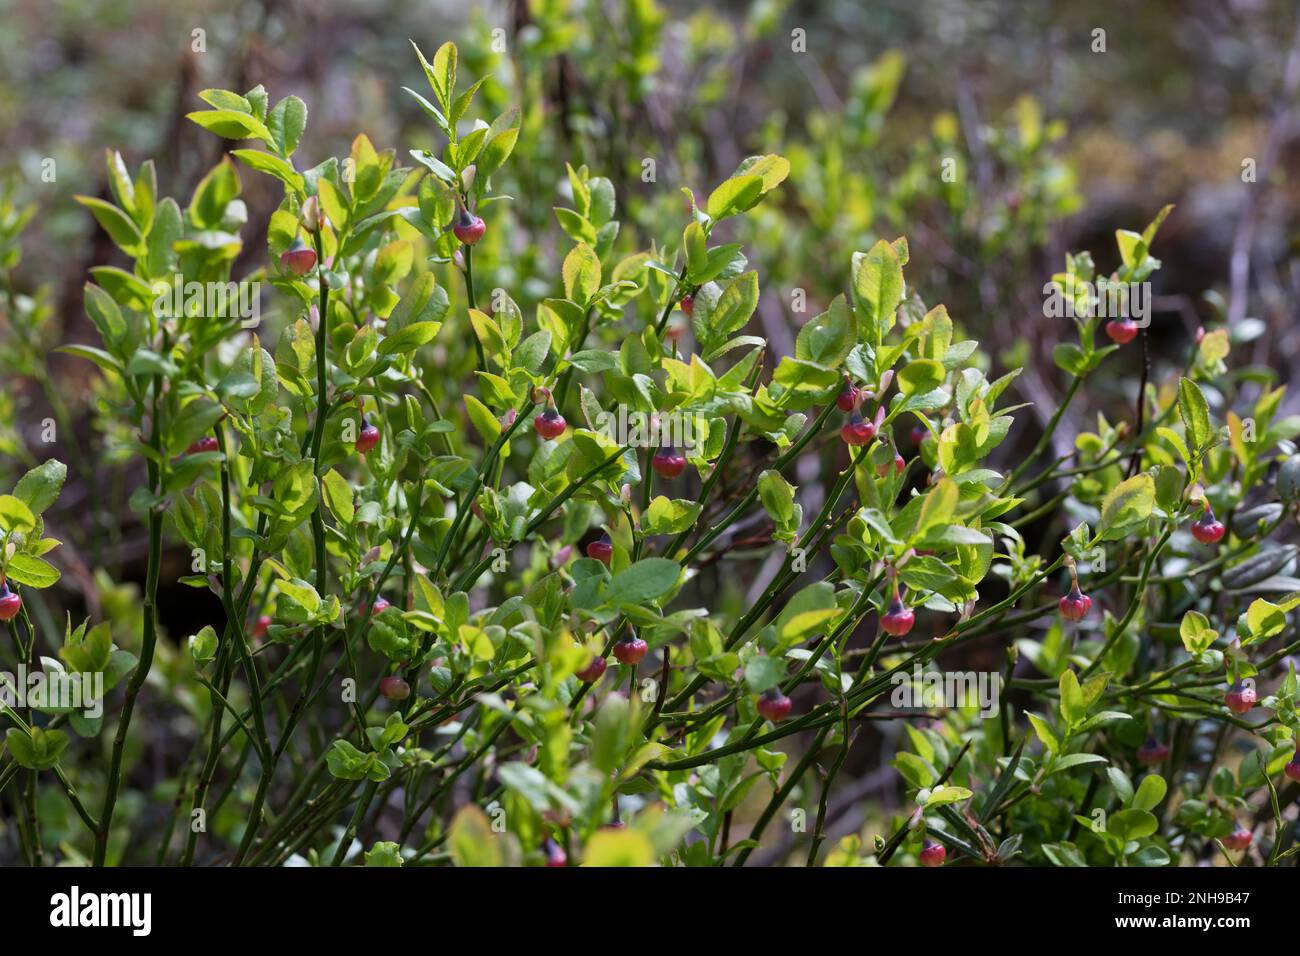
<point x="668" y="463"/>
<point x="630" y="649"/>
<point x="1292" y="768"/>
<point x="1239" y="838"/>
<point x="1075" y="605"/>
<point x="10" y="602"/>
<point x="898" y="620"/>
<point x="593" y="671"/>
<point x="1152" y="753"/>
<point x="469" y="228"/>
<point x="933" y="854"/>
<point x="1240" y="698"/>
<point x="1207" y="529"/>
<point x="847" y="399"/>
<point x="858" y="431"/>
<point x="394" y="688"/>
<point x="549" y="424"/>
<point x="299" y="258"/>
<point x="774" y="705"/>
<point x="602" y="549"/>
<point x="368" y="438"/>
<point x="555" y="855"/>
<point x="1121" y="331"/>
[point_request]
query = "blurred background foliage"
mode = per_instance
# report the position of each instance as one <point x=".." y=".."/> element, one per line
<point x="994" y="135"/>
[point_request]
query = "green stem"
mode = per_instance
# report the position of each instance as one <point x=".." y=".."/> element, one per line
<point x="1133" y="606"/>
<point x="150" y="637"/>
<point x="463" y="511"/>
<point x="468" y="253"/>
<point x="1047" y="433"/>
<point x="345" y="842"/>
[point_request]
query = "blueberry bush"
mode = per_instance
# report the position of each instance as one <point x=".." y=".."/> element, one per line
<point x="526" y="548"/>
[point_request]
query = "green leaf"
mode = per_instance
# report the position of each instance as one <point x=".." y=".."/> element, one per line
<point x="763" y="673"/>
<point x="937" y="508"/>
<point x="481" y="417"/>
<point x="409" y="338"/>
<point x="442" y="74"/>
<point x="1130" y="246"/>
<point x="226" y="100"/>
<point x="828" y="338"/>
<point x="532" y="352"/>
<point x="806" y="613"/>
<point x="496" y="390"/>
<point x="39" y="750"/>
<point x="423" y="302"/>
<point x="272" y="166"/>
<point x="1196" y="632"/>
<point x="1263" y="620"/>
<point x="1044" y="732"/>
<point x="877" y="287"/>
<point x="1129" y="825"/>
<point x="338" y="495"/>
<point x="167" y="230"/>
<point x="384" y="853"/>
<point x="626" y="848"/>
<point x="581" y="272"/>
<point x="345" y="761"/>
<point x="1195" y="413"/>
<point x="1070" y="761"/>
<point x="286" y="123"/>
<point x="943" y="795"/>
<point x="471" y="840"/>
<point x="591" y="361"/>
<point x="921" y="376"/>
<point x="15" y="515"/>
<point x="1073" y="707"/>
<point x="734" y="195"/>
<point x="609" y="733"/>
<point x="1070" y="358"/>
<point x="640" y="583"/>
<point x="1064" y="854"/>
<point x="771" y="168"/>
<point x="917" y="772"/>
<point x="230" y="124"/>
<point x="203" y="645"/>
<point x="213" y="194"/>
<point x="1150" y="792"/>
<point x="697" y="252"/>
<point x="666" y="516"/>
<point x="32" y="571"/>
<point x="434" y="113"/>
<point x="390" y="636"/>
<point x="501" y="139"/>
<point x="777" y="496"/>
<point x="801" y="376"/>
<point x="98" y="356"/>
<point x="1126" y="506"/>
<point x="40" y="487"/>
<point x="145" y="362"/>
<point x="435" y="166"/>
<point x="336" y="207"/>
<point x="115" y="222"/>
<point x="735" y="306"/>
